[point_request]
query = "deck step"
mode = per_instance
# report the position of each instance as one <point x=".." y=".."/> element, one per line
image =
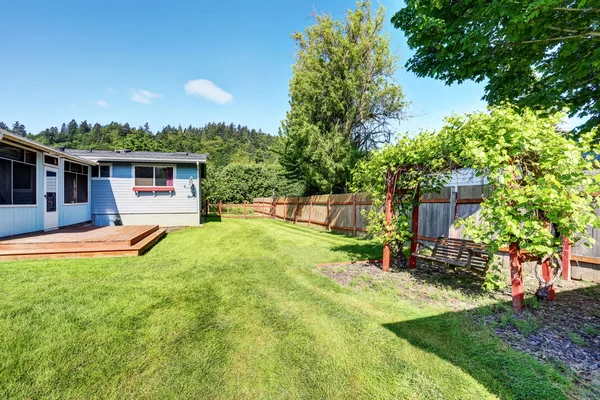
<point x="121" y="241"/>
<point x="76" y="250"/>
<point x="149" y="241"/>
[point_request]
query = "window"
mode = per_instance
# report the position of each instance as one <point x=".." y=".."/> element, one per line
<point x="17" y="176"/>
<point x="51" y="160"/>
<point x="153" y="176"/>
<point x="101" y="171"/>
<point x="76" y="183"/>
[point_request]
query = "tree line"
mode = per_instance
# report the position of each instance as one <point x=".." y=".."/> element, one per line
<point x="243" y="163"/>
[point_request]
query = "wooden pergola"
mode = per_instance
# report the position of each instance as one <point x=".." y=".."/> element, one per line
<point x="516" y="256"/>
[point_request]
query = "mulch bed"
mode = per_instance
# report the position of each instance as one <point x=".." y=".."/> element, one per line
<point x="565" y="331"/>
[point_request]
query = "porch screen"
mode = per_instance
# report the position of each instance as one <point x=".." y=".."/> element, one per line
<point x="18" y="179"/>
<point x="75" y="183"/>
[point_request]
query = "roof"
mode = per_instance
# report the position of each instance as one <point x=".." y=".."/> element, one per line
<point x="11" y="138"/>
<point x="139" y="156"/>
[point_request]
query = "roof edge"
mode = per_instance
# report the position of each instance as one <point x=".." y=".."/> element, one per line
<point x="10" y="137"/>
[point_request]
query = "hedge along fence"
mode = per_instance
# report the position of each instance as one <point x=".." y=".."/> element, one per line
<point x="336" y="212"/>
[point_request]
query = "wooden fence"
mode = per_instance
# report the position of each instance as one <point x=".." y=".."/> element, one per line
<point x="437" y="215"/>
<point x="337" y="212"/>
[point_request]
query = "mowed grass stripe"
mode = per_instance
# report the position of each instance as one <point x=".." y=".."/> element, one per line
<point x="235" y="309"/>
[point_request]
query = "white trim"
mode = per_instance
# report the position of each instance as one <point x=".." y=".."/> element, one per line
<point x="110" y="171"/>
<point x="145" y="160"/>
<point x="10" y="138"/>
<point x="50" y="155"/>
<point x="89" y="189"/>
<point x="153" y="166"/>
<point x="56" y="170"/>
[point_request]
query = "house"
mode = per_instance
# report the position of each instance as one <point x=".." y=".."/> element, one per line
<point x="142" y="188"/>
<point x="41" y="188"/>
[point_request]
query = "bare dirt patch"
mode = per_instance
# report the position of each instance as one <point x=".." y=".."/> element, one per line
<point x="564" y="332"/>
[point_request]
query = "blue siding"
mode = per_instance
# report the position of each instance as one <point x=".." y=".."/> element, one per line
<point x="103" y="198"/>
<point x="121" y="170"/>
<point x="184" y="171"/>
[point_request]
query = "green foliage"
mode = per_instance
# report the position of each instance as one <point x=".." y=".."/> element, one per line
<point x="494" y="279"/>
<point x="343" y="98"/>
<point x="423" y="161"/>
<point x="541" y="54"/>
<point x="223" y="143"/>
<point x="239" y="182"/>
<point x="542" y="182"/>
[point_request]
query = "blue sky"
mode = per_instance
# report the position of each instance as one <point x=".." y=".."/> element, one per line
<point x="152" y="62"/>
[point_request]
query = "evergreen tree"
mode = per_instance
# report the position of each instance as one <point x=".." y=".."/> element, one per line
<point x="343" y="98"/>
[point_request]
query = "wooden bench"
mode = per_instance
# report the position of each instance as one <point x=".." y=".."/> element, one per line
<point x="457" y="253"/>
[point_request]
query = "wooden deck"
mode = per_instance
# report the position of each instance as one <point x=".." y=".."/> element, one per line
<point x="81" y="242"/>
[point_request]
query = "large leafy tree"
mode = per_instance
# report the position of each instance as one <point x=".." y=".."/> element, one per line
<point x="543" y="54"/>
<point x="343" y="98"/>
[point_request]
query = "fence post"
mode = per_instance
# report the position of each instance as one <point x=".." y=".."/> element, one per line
<point x="206" y="209"/>
<point x="412" y="261"/>
<point x="274" y="208"/>
<point x="328" y="212"/>
<point x="566" y="259"/>
<point x="220" y="208"/>
<point x="296" y="212"/>
<point x="285" y="218"/>
<point x="310" y="206"/>
<point x="245" y="209"/>
<point x="354" y="214"/>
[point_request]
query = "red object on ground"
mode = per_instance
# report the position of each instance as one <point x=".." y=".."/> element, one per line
<point x="412" y="261"/>
<point x="547" y="275"/>
<point x="516" y="277"/>
<point x="566" y="259"/>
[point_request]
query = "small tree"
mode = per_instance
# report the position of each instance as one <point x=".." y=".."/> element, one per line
<point x="542" y="184"/>
<point x="419" y="164"/>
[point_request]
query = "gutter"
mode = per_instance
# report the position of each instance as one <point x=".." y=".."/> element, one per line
<point x="134" y="160"/>
<point x="199" y="193"/>
<point x="8" y="138"/>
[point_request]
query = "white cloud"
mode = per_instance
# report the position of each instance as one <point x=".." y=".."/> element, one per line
<point x="149" y="94"/>
<point x="208" y="90"/>
<point x="144" y="96"/>
<point x="102" y="103"/>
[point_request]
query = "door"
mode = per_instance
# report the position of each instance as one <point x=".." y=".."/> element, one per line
<point x="51" y="197"/>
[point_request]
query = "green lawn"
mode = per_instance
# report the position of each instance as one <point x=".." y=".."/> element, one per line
<point x="236" y="309"/>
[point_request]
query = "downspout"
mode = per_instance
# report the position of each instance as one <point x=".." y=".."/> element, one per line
<point x="199" y="193"/>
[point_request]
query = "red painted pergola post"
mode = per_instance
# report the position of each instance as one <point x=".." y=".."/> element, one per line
<point x="245" y="209"/>
<point x="389" y="196"/>
<point x="220" y="207"/>
<point x="566" y="259"/>
<point x="412" y="261"/>
<point x="548" y="275"/>
<point x="516" y="277"/>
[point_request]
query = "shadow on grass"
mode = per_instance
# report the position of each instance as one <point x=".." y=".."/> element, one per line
<point x="211" y="218"/>
<point x="363" y="250"/>
<point x="458" y="339"/>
